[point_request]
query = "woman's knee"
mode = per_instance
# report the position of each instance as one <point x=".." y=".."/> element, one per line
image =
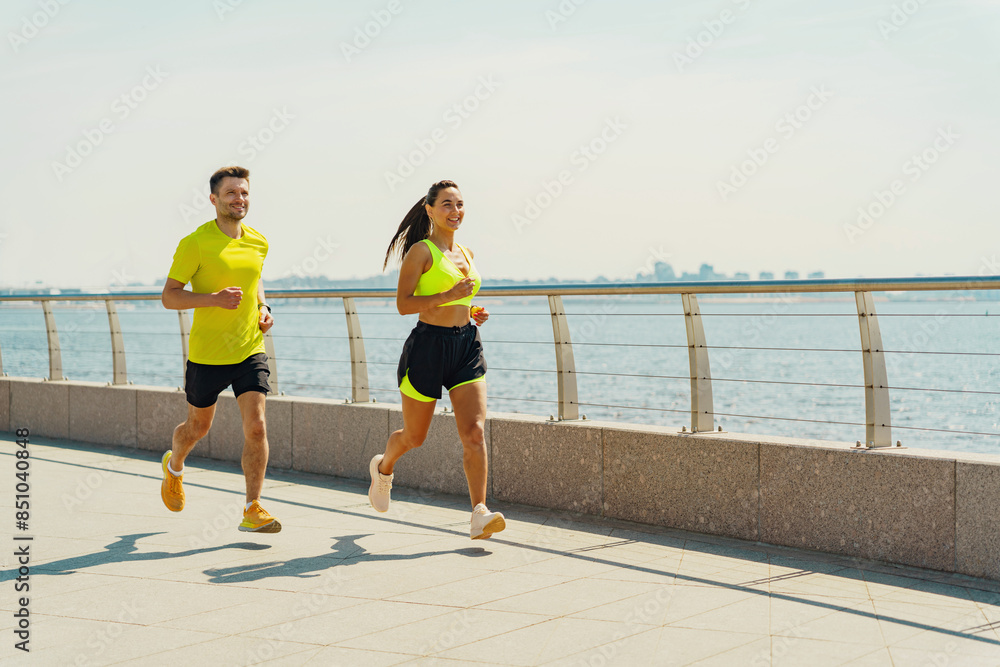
<point x="409" y="439"/>
<point x="473" y="435"/>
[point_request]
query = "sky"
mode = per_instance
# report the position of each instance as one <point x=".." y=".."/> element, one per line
<point x="589" y="138"/>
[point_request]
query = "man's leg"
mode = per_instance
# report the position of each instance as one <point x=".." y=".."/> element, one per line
<point x="255" y="448"/>
<point x="187" y="435"/>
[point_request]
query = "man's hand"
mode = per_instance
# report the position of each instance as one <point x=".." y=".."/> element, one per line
<point x="266" y="321"/>
<point x="228" y="298"/>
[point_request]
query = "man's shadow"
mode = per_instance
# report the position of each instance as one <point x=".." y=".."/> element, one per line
<point x="346" y="551"/>
<point x="124" y="550"/>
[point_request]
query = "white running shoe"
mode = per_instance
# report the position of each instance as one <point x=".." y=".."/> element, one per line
<point x="485" y="523"/>
<point x="381" y="486"/>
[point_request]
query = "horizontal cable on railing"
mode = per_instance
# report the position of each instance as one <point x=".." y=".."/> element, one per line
<point x="968" y="354"/>
<point x="779" y="349"/>
<point x="790" y="419"/>
<point x="632" y="407"/>
<point x="808" y="384"/>
<point x="508" y="398"/>
<point x="683" y="347"/>
<point x="716" y="379"/>
<point x="943" y="430"/>
<point x="766" y="315"/>
<point x="948" y="391"/>
<point x="307" y="336"/>
<point x="520" y="342"/>
<point x="314" y="386"/>
<point x="525" y="370"/>
<point x="328" y="361"/>
<point x="151" y="354"/>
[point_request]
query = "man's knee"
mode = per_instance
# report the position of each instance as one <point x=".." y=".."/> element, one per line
<point x="197" y="427"/>
<point x="255" y="429"/>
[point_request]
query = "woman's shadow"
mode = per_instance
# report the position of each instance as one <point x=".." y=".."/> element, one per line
<point x="346" y="551"/>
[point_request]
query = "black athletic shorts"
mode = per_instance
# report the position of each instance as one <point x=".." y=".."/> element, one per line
<point x="440" y="356"/>
<point x="204" y="382"/>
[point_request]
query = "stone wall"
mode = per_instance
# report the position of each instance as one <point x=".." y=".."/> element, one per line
<point x="924" y="508"/>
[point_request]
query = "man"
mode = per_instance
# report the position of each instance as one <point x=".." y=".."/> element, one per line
<point x="222" y="260"/>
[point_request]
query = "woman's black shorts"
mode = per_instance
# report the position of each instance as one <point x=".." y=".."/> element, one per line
<point x="435" y="357"/>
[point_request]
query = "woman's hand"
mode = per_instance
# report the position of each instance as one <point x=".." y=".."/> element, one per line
<point x="479" y="315"/>
<point x="462" y="289"/>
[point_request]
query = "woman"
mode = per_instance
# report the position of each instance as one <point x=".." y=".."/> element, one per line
<point x="437" y="280"/>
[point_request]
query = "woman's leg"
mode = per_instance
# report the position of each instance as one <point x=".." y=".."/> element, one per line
<point x="469" y="403"/>
<point x="417" y="417"/>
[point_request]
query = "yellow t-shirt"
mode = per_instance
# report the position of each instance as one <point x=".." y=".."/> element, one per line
<point x="210" y="260"/>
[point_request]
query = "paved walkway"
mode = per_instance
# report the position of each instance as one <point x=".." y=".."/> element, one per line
<point x="116" y="578"/>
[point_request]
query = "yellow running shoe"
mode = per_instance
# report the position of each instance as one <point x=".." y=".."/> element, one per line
<point x="257" y="520"/>
<point x="172" y="488"/>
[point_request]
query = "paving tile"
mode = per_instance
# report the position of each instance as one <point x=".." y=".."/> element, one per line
<point x="542" y="642"/>
<point x="239" y="650"/>
<point x="57" y="640"/>
<point x="118" y="579"/>
<point x="355" y="621"/>
<point x="852" y="621"/>
<point x="488" y="588"/>
<point x="435" y="635"/>
<point x="566" y="598"/>
<point x="338" y="655"/>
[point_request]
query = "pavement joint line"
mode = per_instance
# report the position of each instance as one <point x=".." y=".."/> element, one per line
<point x="676" y="576"/>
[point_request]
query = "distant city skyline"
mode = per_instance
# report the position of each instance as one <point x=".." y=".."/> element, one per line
<point x="589" y="139"/>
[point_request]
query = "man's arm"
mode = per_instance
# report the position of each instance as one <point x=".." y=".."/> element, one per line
<point x="266" y="321"/>
<point x="175" y="297"/>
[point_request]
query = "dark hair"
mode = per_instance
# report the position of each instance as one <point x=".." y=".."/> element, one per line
<point x="416" y="226"/>
<point x="234" y="171"/>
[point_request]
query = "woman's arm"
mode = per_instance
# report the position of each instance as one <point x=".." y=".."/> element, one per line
<point x="418" y="260"/>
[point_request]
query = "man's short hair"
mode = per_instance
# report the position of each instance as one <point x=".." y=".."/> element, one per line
<point x="225" y="172"/>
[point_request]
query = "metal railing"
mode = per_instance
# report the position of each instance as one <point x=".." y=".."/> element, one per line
<point x="878" y="424"/>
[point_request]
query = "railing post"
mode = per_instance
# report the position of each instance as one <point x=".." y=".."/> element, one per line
<point x="878" y="428"/>
<point x="55" y="354"/>
<point x="272" y="363"/>
<point x="182" y="317"/>
<point x="359" y="363"/>
<point x="117" y="344"/>
<point x="702" y="411"/>
<point x="569" y="404"/>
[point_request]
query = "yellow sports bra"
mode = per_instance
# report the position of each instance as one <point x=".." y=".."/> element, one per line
<point x="443" y="275"/>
